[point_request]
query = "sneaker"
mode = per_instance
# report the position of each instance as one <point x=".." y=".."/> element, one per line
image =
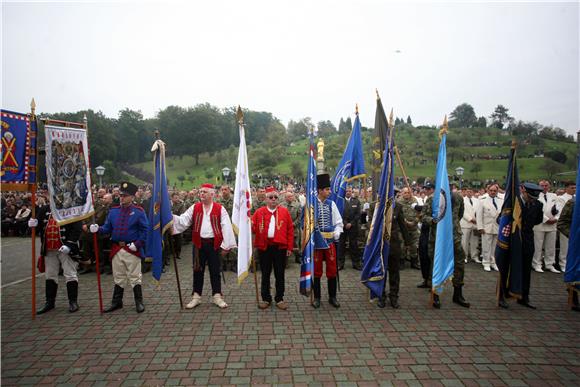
<point x="486" y="268"/>
<point x="219" y="301"/>
<point x="538" y="270"/>
<point x="282" y="305"/>
<point x="553" y="270"/>
<point x="195" y="301"/>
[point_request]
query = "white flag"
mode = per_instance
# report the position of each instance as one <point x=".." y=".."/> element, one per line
<point x="241" y="218"/>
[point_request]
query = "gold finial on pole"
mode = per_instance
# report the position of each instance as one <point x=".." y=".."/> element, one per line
<point x="444" y="128"/>
<point x="240" y="115"/>
<point x="156" y="133"/>
<point x="356" y="108"/>
<point x="33" y="107"/>
<point x="391" y="119"/>
<point x="85" y="118"/>
<point x="377" y="91"/>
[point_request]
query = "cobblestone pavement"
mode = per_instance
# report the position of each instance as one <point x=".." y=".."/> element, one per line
<point x="357" y="344"/>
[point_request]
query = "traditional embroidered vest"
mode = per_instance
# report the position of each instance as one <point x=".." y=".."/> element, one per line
<point x="52" y="235"/>
<point x="325" y="223"/>
<point x="215" y="217"/>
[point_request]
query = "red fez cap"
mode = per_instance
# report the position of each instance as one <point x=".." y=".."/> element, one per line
<point x="207" y="185"/>
<point x="270" y="189"/>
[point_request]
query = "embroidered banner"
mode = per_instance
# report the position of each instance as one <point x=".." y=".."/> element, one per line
<point x="67" y="174"/>
<point x="17" y="151"/>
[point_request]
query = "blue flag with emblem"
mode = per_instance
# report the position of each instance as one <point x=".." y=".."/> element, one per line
<point x="443" y="258"/>
<point x="572" y="274"/>
<point x="508" y="251"/>
<point x="376" y="252"/>
<point x="351" y="166"/>
<point x="160" y="216"/>
<point x="17" y="151"/>
<point x="309" y="225"/>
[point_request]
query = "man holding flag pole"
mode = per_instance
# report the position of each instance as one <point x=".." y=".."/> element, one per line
<point x="569" y="225"/>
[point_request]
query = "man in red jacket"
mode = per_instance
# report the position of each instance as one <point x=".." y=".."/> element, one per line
<point x="274" y="238"/>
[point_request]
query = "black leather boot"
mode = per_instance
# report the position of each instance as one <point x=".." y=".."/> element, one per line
<point x="332" y="285"/>
<point x="458" y="297"/>
<point x="117" y="302"/>
<point x="316" y="290"/>
<point x="382" y="301"/>
<point x="436" y="302"/>
<point x="138" y="293"/>
<point x="394" y="302"/>
<point x="50" y="291"/>
<point x="575" y="305"/>
<point x="72" y="289"/>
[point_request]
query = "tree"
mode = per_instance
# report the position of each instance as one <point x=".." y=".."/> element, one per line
<point x="476" y="168"/>
<point x="409" y="120"/>
<point x="481" y="122"/>
<point x="550" y="167"/>
<point x="130" y="129"/>
<point x="348" y="125"/>
<point x="297" y="170"/>
<point x="463" y="116"/>
<point x="300" y="129"/>
<point x="500" y="117"/>
<point x="325" y="128"/>
<point x="342" y="127"/>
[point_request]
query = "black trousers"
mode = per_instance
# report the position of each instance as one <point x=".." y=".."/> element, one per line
<point x="210" y="256"/>
<point x="273" y="257"/>
<point x="424" y="253"/>
<point x="527" y="256"/>
<point x="352" y="237"/>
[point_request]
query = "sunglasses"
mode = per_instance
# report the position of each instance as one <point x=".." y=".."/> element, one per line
<point x="273" y="197"/>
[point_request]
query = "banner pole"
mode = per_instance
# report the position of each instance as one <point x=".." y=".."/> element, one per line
<point x="95" y="239"/>
<point x="33" y="213"/>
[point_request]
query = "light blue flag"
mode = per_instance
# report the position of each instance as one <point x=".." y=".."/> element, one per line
<point x="572" y="274"/>
<point x="443" y="260"/>
<point x="376" y="252"/>
<point x="351" y="166"/>
<point x="160" y="216"/>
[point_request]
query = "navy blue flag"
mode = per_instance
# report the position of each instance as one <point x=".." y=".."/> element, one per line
<point x="309" y="225"/>
<point x="160" y="216"/>
<point x="572" y="274"/>
<point x="376" y="252"/>
<point x="508" y="251"/>
<point x="443" y="258"/>
<point x="17" y="151"/>
<point x="351" y="166"/>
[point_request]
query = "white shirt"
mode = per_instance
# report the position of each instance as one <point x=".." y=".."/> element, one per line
<point x="272" y="225"/>
<point x="183" y="222"/>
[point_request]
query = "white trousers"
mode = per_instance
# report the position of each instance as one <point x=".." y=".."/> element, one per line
<point x="126" y="268"/>
<point x="563" y="251"/>
<point x="488" y="242"/>
<point x="52" y="262"/>
<point x="545" y="240"/>
<point x="469" y="242"/>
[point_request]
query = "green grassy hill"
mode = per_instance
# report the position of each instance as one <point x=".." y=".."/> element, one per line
<point x="478" y="150"/>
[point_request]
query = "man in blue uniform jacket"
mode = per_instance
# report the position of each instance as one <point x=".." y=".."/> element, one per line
<point x="127" y="224"/>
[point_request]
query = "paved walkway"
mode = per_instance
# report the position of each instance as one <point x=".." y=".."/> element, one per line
<point x="357" y="344"/>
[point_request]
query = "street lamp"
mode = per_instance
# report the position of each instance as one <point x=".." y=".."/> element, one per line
<point x="100" y="172"/>
<point x="226" y="172"/>
<point x="459" y="171"/>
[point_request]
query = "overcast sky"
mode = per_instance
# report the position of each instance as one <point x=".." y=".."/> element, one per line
<point x="295" y="58"/>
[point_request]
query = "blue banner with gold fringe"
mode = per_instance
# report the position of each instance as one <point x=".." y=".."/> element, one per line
<point x="18" y="151"/>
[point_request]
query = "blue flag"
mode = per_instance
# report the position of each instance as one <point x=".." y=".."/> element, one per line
<point x="351" y="166"/>
<point x="309" y="225"/>
<point x="376" y="252"/>
<point x="508" y="251"/>
<point x="443" y="259"/>
<point x="160" y="216"/>
<point x="17" y="151"/>
<point x="572" y="274"/>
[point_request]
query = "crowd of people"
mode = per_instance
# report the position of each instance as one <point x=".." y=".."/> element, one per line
<point x="277" y="215"/>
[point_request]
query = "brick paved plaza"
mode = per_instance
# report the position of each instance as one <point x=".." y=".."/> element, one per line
<point x="358" y="344"/>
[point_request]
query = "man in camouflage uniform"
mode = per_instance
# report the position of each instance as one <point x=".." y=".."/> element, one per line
<point x="398" y="230"/>
<point x="259" y="200"/>
<point x="564" y="224"/>
<point x="295" y="210"/>
<point x="458" y="254"/>
<point x="230" y="261"/>
<point x="177" y="208"/>
<point x="408" y="203"/>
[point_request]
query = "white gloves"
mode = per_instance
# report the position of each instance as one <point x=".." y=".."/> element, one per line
<point x="132" y="247"/>
<point x="32" y="222"/>
<point x="413" y="205"/>
<point x="64" y="249"/>
<point x="94" y="228"/>
<point x="336" y="235"/>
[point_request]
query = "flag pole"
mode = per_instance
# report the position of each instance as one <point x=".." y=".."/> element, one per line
<point x="95" y="239"/>
<point x="33" y="211"/>
<point x="172" y="246"/>
<point x="401" y="166"/>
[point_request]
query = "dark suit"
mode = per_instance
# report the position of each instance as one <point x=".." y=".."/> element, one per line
<point x="351" y="214"/>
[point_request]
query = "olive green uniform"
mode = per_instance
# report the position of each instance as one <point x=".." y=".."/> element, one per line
<point x="230" y="261"/>
<point x="295" y="211"/>
<point x="410" y="216"/>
